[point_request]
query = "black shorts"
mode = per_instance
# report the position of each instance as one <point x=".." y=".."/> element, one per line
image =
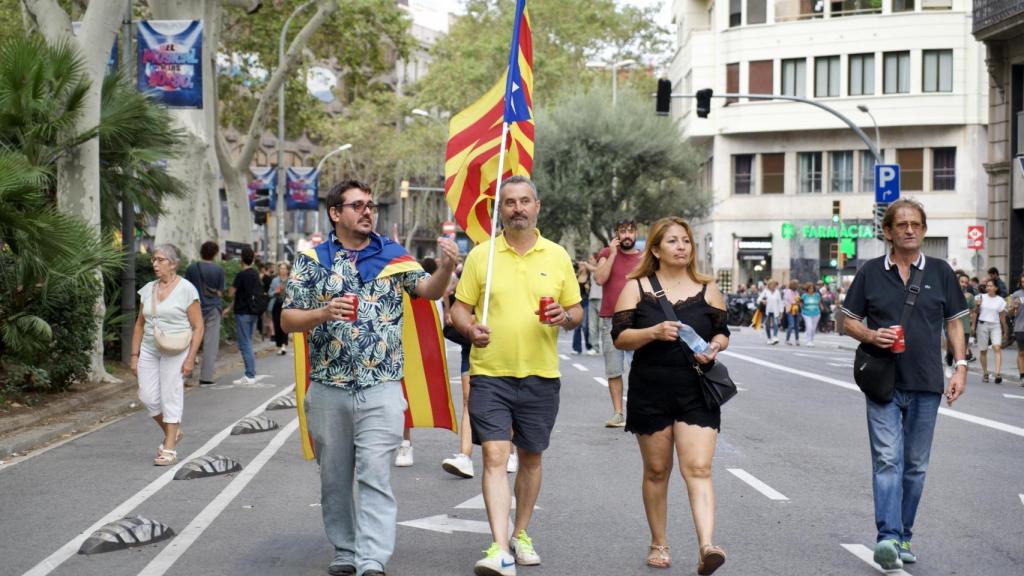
<point x="519" y="409"/>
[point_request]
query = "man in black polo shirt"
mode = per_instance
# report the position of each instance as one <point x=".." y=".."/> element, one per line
<point x="901" y="431"/>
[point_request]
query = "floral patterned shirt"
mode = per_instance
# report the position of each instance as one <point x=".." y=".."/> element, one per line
<point x="352" y="355"/>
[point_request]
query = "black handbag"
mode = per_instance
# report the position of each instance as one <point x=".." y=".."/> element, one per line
<point x="715" y="382"/>
<point x="874" y="368"/>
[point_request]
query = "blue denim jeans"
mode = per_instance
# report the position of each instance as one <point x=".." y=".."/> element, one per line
<point x="581" y="334"/>
<point x="355" y="435"/>
<point x="793" y="327"/>
<point x="246" y="323"/>
<point x="771" y="325"/>
<point x="901" y="434"/>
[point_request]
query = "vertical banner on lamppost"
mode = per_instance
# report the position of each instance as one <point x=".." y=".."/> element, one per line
<point x="171" y="61"/>
<point x="262" y="188"/>
<point x="302" y="185"/>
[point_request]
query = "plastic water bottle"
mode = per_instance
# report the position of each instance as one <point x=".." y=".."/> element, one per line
<point x="692" y="339"/>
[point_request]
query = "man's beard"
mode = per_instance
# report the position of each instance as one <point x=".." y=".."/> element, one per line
<point x="627" y="243"/>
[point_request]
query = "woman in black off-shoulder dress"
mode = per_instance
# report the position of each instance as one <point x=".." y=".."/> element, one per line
<point x="665" y="407"/>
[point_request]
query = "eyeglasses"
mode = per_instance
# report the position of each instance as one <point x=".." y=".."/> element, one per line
<point x="160" y="259"/>
<point x="360" y="206"/>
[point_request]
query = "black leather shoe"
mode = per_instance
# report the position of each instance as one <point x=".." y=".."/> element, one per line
<point x="373" y="573"/>
<point x="341" y="570"/>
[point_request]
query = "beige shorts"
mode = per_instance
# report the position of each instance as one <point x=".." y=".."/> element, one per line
<point x="989" y="334"/>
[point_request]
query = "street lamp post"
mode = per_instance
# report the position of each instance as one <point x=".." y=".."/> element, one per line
<point x="319" y="165"/>
<point x="282" y="170"/>
<point x="878" y="136"/>
<point x="615" y="74"/>
<point x="424" y="114"/>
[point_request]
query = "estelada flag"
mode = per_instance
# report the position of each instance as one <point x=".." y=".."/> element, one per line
<point x="425" y="384"/>
<point x="474" y="144"/>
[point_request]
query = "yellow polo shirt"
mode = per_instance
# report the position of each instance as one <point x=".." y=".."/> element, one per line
<point x="520" y="345"/>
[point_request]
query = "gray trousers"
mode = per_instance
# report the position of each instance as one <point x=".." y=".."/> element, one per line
<point x="594" y="323"/>
<point x="211" y="343"/>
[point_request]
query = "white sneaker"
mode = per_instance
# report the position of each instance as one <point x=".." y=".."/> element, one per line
<point x="593" y="352"/>
<point x="497" y="562"/>
<point x="459" y="464"/>
<point x="282" y="350"/>
<point x="522" y="548"/>
<point x="245" y="381"/>
<point x="403" y="458"/>
<point x="809" y="344"/>
<point x="513" y="463"/>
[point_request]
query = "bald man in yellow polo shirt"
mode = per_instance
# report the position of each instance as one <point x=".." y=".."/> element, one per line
<point x="513" y="368"/>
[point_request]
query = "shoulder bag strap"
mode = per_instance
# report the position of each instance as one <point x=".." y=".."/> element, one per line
<point x="152" y="303"/>
<point x="670" y="314"/>
<point x="916" y="276"/>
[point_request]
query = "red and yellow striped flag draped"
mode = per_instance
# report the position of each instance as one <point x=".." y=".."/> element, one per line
<point x="474" y="142"/>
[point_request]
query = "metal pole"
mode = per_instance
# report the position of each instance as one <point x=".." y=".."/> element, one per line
<point x="320" y="165"/>
<point x="615" y="84"/>
<point x="282" y="171"/>
<point x="127" y="217"/>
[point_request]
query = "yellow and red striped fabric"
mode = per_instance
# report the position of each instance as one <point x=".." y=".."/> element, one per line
<point x="471" y="160"/>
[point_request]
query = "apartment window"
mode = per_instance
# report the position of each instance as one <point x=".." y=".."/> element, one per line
<point x="862" y="74"/>
<point x="867" y="171"/>
<point x="810" y="172"/>
<point x="826" y="76"/>
<point x="897" y="72"/>
<point x="773" y="173"/>
<point x="757" y="11"/>
<point x="911" y="161"/>
<point x="735" y="13"/>
<point x="794" y="77"/>
<point x="841" y="172"/>
<point x="944" y="169"/>
<point x="936" y="247"/>
<point x="742" y="173"/>
<point x="902" y="5"/>
<point x="732" y="80"/>
<point x="936" y="4"/>
<point x="760" y="80"/>
<point x="937" y="72"/>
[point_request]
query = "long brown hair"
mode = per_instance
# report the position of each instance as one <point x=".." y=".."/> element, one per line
<point x="649" y="264"/>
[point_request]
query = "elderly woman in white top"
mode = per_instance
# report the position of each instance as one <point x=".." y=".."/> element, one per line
<point x="771" y="296"/>
<point x="167" y="334"/>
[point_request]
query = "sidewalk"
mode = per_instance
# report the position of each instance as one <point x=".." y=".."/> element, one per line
<point x="85" y="407"/>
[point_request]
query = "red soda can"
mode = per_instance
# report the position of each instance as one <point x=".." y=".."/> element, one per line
<point x="900" y="345"/>
<point x="355" y="307"/>
<point x="545" y="301"/>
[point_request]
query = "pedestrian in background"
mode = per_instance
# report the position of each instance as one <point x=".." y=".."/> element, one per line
<point x="771" y="297"/>
<point x="900" y="431"/>
<point x="514" y="375"/>
<point x="810" y="308"/>
<point x="1017" y="313"/>
<point x="208" y="277"/>
<point x="594" y="308"/>
<point x="666" y="408"/>
<point x="791" y="304"/>
<point x="249" y="303"/>
<point x="581" y="335"/>
<point x="968" y="320"/>
<point x="344" y="295"/>
<point x="276" y="292"/>
<point x="167" y="334"/>
<point x="989" y="328"/>
<point x="993" y="275"/>
<point x="266" y="275"/>
<point x="614" y="263"/>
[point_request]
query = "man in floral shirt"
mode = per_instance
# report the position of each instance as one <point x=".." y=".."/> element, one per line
<point x="354" y="405"/>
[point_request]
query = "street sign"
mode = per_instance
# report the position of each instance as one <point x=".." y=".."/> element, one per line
<point x="975" y="237"/>
<point x="887" y="183"/>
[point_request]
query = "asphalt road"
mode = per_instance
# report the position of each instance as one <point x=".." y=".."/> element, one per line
<point x="792" y="477"/>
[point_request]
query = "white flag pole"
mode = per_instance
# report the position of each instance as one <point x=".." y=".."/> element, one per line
<point x="494" y="223"/>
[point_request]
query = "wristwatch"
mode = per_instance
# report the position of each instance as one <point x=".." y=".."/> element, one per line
<point x="960" y="363"/>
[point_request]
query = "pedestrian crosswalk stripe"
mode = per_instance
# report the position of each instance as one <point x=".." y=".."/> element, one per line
<point x="580" y="367"/>
<point x="864" y="553"/>
<point x="563" y="356"/>
<point x="601" y="381"/>
<point x="768" y="491"/>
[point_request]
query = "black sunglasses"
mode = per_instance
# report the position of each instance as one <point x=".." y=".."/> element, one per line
<point x="359" y="206"/>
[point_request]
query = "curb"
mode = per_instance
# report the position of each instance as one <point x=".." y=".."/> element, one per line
<point x="70" y="416"/>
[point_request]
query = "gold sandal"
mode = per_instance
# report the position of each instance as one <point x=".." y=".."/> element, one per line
<point x="658" y="557"/>
<point x="711" y="558"/>
<point x="177" y="439"/>
<point x="166" y="458"/>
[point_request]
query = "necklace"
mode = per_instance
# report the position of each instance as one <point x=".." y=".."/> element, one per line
<point x="667" y="285"/>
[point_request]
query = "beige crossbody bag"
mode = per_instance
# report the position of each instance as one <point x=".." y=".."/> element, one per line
<point x="168" y="342"/>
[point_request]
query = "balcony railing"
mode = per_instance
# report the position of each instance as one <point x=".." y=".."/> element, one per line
<point x="789" y="10"/>
<point x="991" y="12"/>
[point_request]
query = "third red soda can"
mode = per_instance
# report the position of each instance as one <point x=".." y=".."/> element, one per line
<point x="355" y="307"/>
<point x="900" y="345"/>
<point x="545" y="301"/>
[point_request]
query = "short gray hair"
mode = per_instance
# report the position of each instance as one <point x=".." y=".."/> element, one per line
<point x="170" y="252"/>
<point x="517" y="179"/>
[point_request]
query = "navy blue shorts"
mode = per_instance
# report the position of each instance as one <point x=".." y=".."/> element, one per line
<point x="465" y="358"/>
<point x="519" y="409"/>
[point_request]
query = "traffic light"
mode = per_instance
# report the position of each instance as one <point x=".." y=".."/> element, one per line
<point x="833" y="254"/>
<point x="261" y="205"/>
<point x="704" y="102"/>
<point x="404" y="189"/>
<point x="663" y="102"/>
<point x="836" y="211"/>
<point x="260" y="218"/>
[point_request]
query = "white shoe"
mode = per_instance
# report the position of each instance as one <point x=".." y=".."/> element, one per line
<point x="497" y="562"/>
<point x="513" y="463"/>
<point x="245" y="381"/>
<point x="282" y="350"/>
<point x="593" y="352"/>
<point x="403" y="458"/>
<point x="522" y="548"/>
<point x="809" y="344"/>
<point x="459" y="464"/>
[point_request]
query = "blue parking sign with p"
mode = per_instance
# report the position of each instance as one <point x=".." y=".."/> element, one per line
<point x="887" y="183"/>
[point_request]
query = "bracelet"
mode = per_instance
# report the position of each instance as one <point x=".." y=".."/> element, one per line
<point x="567" y="320"/>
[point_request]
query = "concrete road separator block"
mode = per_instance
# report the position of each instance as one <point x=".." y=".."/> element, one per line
<point x="283" y="403"/>
<point x="206" y="466"/>
<point x="254" y="424"/>
<point x="125" y="533"/>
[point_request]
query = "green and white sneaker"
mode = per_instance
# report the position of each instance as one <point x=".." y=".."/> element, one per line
<point x="905" y="554"/>
<point x="522" y="548"/>
<point x="887" y="555"/>
<point x="496" y="562"/>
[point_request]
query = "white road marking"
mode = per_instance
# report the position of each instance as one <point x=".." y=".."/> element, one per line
<point x="1016" y="396"/>
<point x="442" y="523"/>
<point x="180" y="544"/>
<point x="1015" y="430"/>
<point x="53" y="561"/>
<point x="580" y="367"/>
<point x="1022" y="498"/>
<point x="477" y="503"/>
<point x="840" y="365"/>
<point x="563" y="356"/>
<point x="601" y="381"/>
<point x="768" y="491"/>
<point x="868" y="556"/>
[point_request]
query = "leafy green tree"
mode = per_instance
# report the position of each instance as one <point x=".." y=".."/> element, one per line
<point x="566" y="34"/>
<point x="583" y="144"/>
